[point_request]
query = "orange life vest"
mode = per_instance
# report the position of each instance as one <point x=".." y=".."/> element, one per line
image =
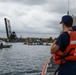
<point x="70" y="53"/>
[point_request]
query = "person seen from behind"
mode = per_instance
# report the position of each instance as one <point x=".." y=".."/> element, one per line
<point x="64" y="48"/>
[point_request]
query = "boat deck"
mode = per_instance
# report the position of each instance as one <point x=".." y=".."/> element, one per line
<point x="50" y="67"/>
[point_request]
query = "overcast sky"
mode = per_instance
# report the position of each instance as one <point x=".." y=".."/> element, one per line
<point x="35" y="16"/>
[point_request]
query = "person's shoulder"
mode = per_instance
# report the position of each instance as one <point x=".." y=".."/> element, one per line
<point x="62" y="39"/>
<point x="74" y="28"/>
<point x="64" y="34"/>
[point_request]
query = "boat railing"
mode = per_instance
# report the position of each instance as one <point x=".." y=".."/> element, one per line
<point x="49" y="67"/>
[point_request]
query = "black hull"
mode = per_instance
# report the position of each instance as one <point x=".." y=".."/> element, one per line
<point x="5" y="46"/>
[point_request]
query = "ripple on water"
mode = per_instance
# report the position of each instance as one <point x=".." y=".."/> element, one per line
<point x="23" y="60"/>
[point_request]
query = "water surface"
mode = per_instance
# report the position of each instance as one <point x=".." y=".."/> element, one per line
<point x="22" y="59"/>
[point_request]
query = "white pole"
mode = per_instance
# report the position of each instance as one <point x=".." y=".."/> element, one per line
<point x="74" y="4"/>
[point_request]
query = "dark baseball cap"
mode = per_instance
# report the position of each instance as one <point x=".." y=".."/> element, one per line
<point x="66" y="19"/>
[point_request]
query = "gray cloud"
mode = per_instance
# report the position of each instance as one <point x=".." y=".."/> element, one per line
<point x="27" y="2"/>
<point x="60" y="7"/>
<point x="34" y="16"/>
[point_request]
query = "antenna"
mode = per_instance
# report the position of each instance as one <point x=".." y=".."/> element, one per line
<point x="74" y="6"/>
<point x="68" y="8"/>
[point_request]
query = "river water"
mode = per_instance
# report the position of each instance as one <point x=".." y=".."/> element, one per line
<point x="22" y="59"/>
